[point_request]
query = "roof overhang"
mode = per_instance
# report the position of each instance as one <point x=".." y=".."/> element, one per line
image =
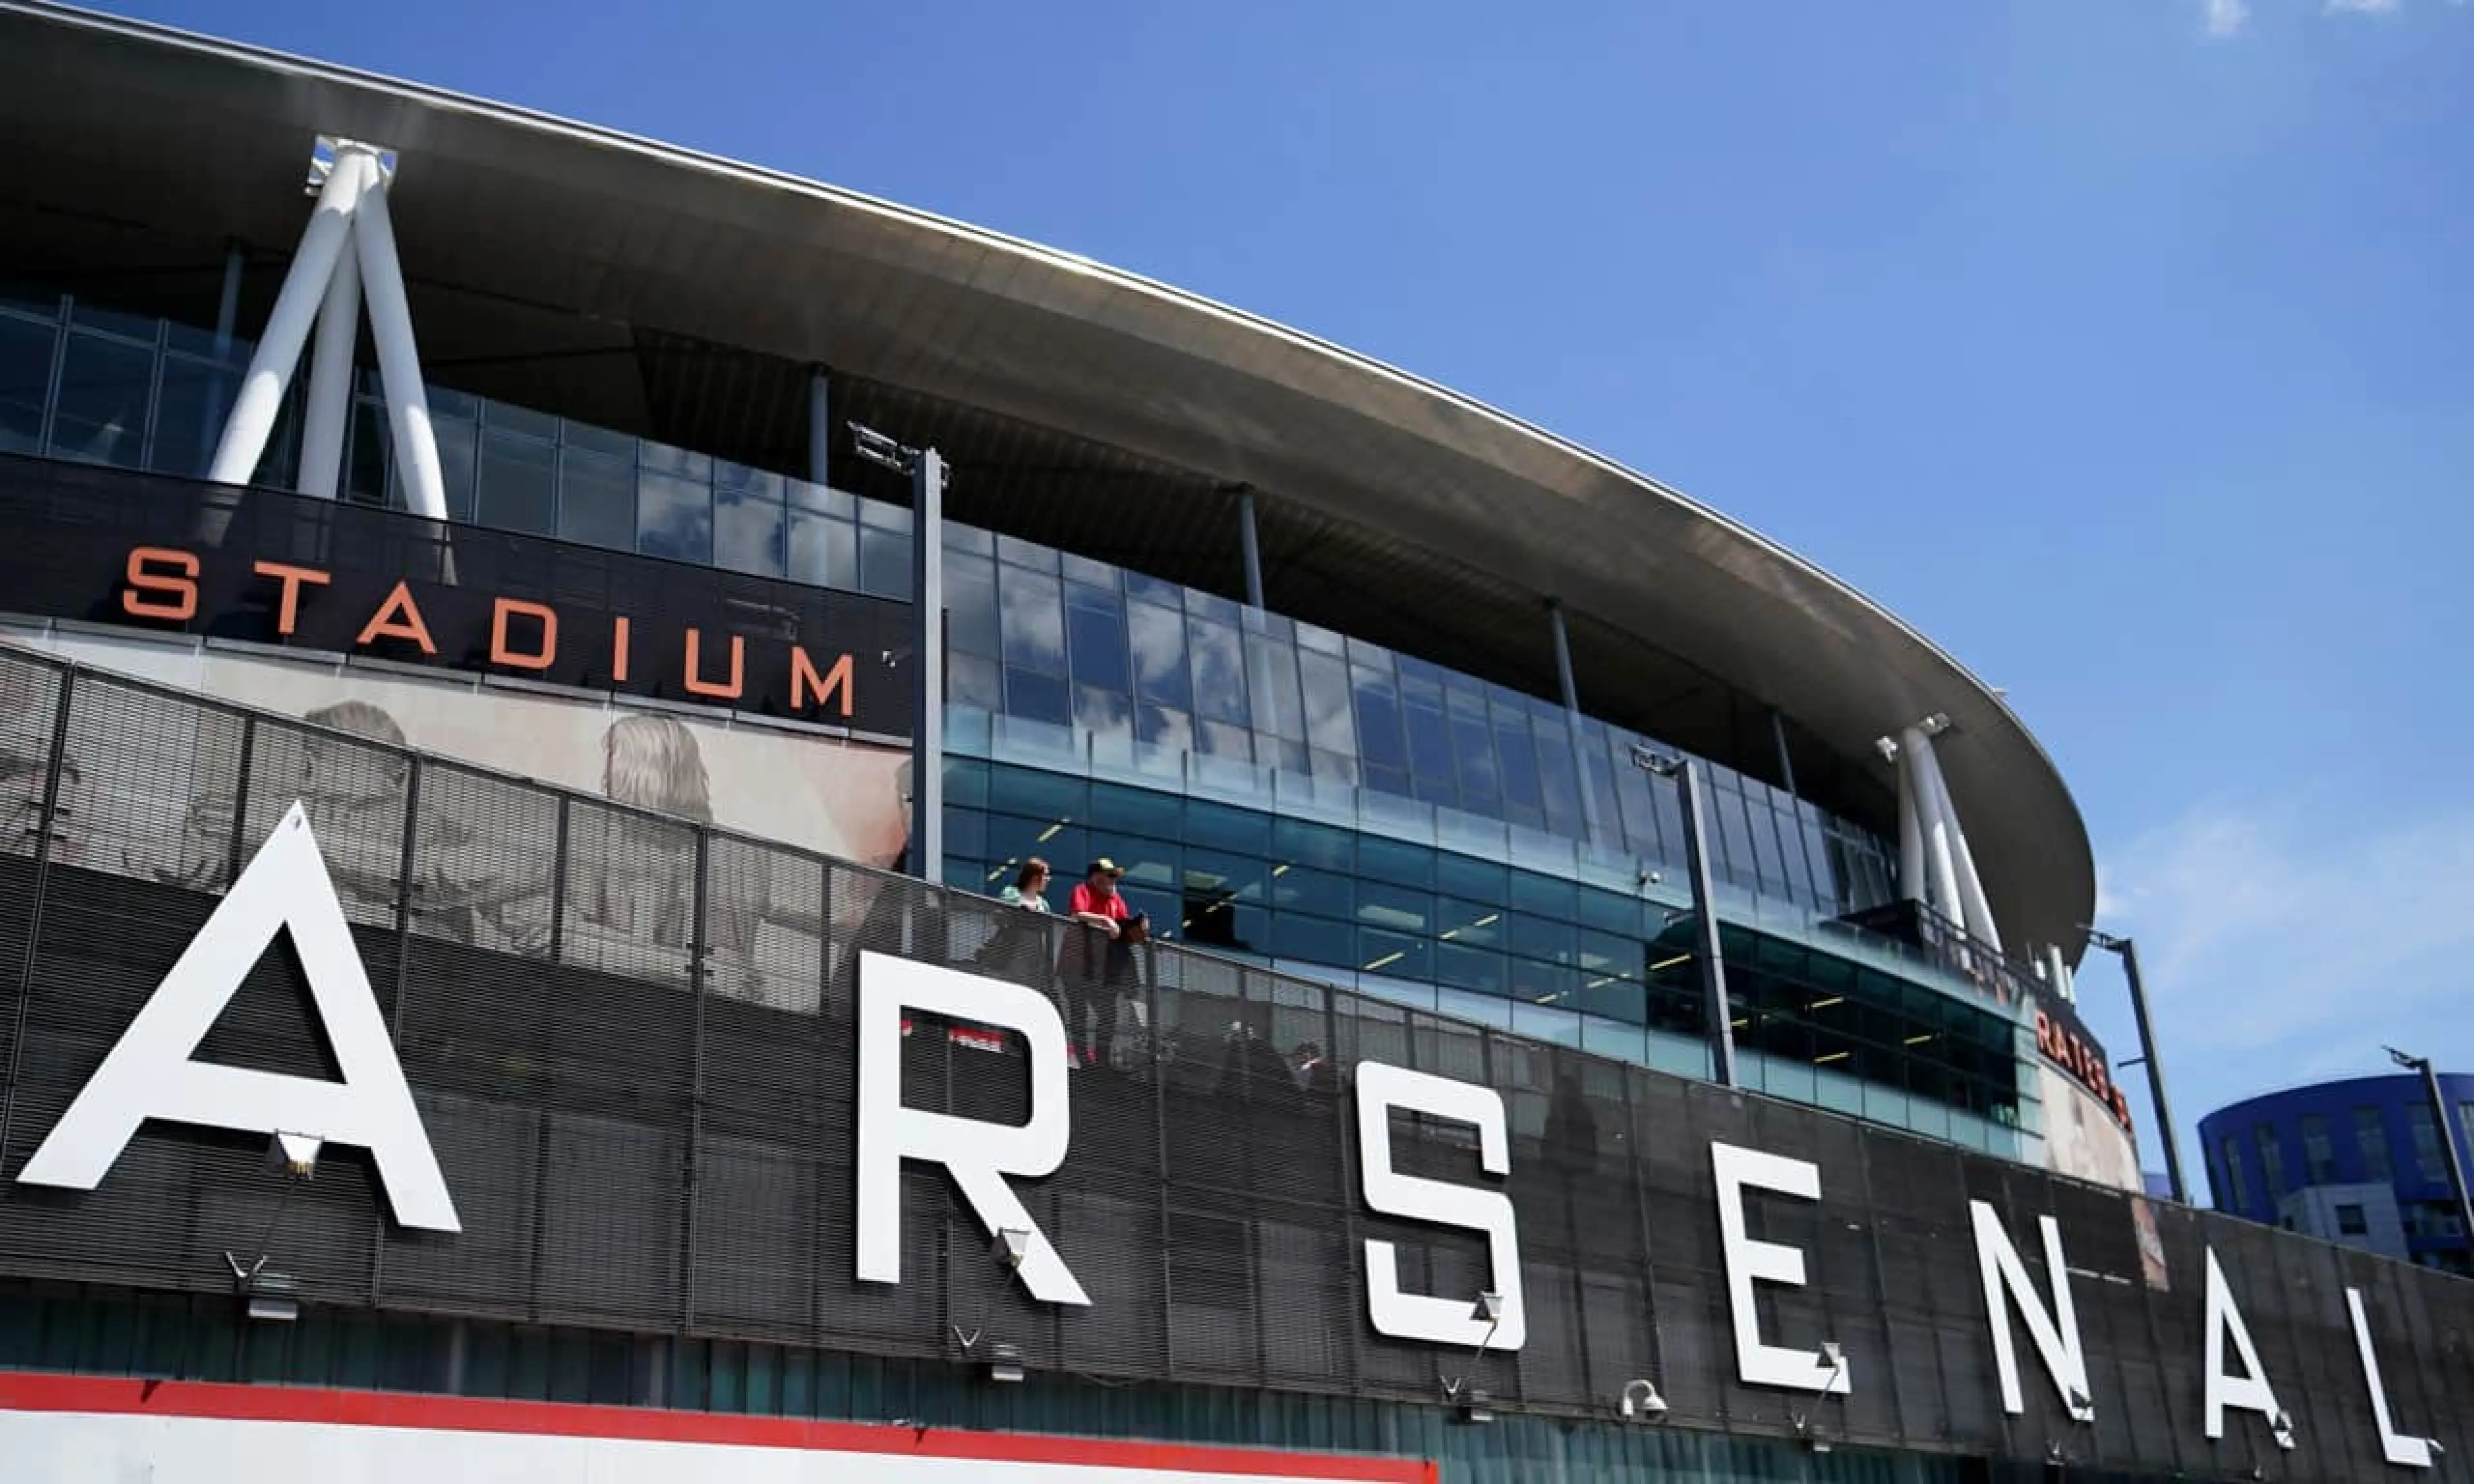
<point x="137" y="123"/>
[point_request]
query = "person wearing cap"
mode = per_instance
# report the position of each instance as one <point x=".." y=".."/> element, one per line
<point x="1100" y="966"/>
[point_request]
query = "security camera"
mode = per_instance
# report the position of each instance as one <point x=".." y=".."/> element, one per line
<point x="1641" y="1403"/>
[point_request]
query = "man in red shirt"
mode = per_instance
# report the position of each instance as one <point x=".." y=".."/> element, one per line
<point x="1103" y="961"/>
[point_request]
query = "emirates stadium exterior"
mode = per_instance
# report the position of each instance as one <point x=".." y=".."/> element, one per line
<point x="621" y="615"/>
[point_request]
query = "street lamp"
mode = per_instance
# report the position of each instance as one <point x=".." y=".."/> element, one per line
<point x="925" y="851"/>
<point x="1705" y="917"/>
<point x="2448" y="1135"/>
<point x="2129" y="952"/>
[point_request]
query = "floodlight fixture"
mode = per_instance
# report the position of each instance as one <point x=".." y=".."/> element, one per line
<point x="1477" y="1407"/>
<point x="1005" y="1364"/>
<point x="296" y="1155"/>
<point x="1011" y="1247"/>
<point x="1641" y="1403"/>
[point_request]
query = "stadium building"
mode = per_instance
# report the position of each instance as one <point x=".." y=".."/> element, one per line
<point x="2358" y="1161"/>
<point x="619" y="617"/>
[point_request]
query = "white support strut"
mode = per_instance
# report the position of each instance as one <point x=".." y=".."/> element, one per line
<point x="1974" y="910"/>
<point x="331" y="379"/>
<point x="288" y="329"/>
<point x="416" y="446"/>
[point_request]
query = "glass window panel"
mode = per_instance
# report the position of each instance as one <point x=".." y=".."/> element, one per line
<point x="1089" y="574"/>
<point x="1761" y="830"/>
<point x="1464" y="968"/>
<point x="600" y="440"/>
<point x="188" y="414"/>
<point x="365" y="453"/>
<point x="1316" y="940"/>
<point x="1095" y="623"/>
<point x="1158" y="637"/>
<point x="1037" y="794"/>
<point x="88" y="315"/>
<point x="459" y="459"/>
<point x="1614" y="998"/>
<point x="1141" y="811"/>
<point x="1030" y="620"/>
<point x="1545" y="895"/>
<point x="25" y="383"/>
<point x="664" y="459"/>
<point x="1163" y="726"/>
<point x="971" y="605"/>
<point x="1038" y="698"/>
<point x="748" y="529"/>
<point x="1378" y="724"/>
<point x="1465" y="876"/>
<point x="1219" y="671"/>
<point x="1473" y="750"/>
<point x="1223" y="739"/>
<point x="1606" y="955"/>
<point x="1430" y="743"/>
<point x="1610" y="912"/>
<point x="1477" y="923"/>
<point x="1394" y="954"/>
<point x="1225" y="874"/>
<point x="1271" y="681"/>
<point x="1396" y="908"/>
<point x="518" y="484"/>
<point x="1107" y="713"/>
<point x="1732" y="860"/>
<point x="1210" y="606"/>
<point x="1325" y="697"/>
<point x="1395" y="860"/>
<point x="1321" y="641"/>
<point x="597" y="501"/>
<point x="1228" y="829"/>
<point x="823" y="499"/>
<point x="824" y="551"/>
<point x="1151" y="590"/>
<point x="884" y="561"/>
<point x="675" y="517"/>
<point x="1543" y="984"/>
<point x="1297" y="843"/>
<point x="507" y="417"/>
<point x="1542" y="938"/>
<point x="884" y="517"/>
<point x="1517" y="760"/>
<point x="100" y="414"/>
<point x="1026" y="553"/>
<point x="1305" y="889"/>
<point x="1558" y="775"/>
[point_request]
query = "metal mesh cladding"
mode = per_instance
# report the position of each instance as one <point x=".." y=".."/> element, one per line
<point x="631" y="1037"/>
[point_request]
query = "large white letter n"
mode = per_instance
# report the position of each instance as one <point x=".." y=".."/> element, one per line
<point x="151" y="1071"/>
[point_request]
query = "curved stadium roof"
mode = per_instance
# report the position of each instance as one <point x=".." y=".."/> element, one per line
<point x="117" y="126"/>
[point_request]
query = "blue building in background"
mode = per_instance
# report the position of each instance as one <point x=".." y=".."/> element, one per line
<point x="2357" y="1161"/>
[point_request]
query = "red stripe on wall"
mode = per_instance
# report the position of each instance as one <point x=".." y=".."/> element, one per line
<point x="30" y="1392"/>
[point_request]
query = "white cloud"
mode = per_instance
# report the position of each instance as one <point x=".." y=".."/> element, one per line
<point x="2284" y="944"/>
<point x="2227" y="17"/>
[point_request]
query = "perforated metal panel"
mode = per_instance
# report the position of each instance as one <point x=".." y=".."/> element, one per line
<point x="632" y="1041"/>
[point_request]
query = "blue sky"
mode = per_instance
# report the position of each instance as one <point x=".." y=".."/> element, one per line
<point x="2124" y="347"/>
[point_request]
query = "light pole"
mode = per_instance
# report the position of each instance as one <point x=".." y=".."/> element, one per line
<point x="2447" y="1136"/>
<point x="2129" y="952"/>
<point x="925" y="851"/>
<point x="1704" y="915"/>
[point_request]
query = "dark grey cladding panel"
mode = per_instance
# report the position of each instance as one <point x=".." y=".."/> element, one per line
<point x="640" y="1139"/>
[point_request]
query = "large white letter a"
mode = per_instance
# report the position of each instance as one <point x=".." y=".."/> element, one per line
<point x="150" y="1073"/>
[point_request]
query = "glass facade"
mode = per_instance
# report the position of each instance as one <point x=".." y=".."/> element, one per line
<point x="1282" y="792"/>
<point x="1537" y="954"/>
